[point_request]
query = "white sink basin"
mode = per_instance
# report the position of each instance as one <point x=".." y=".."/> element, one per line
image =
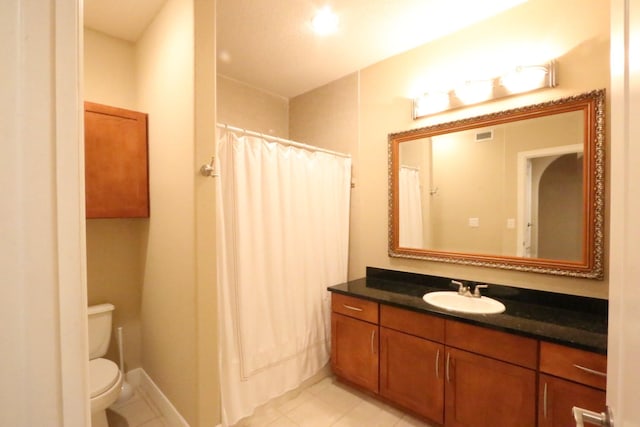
<point x="452" y="301"/>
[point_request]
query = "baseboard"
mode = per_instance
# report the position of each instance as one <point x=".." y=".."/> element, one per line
<point x="139" y="378"/>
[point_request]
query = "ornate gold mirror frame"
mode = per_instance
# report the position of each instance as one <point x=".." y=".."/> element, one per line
<point x="590" y="264"/>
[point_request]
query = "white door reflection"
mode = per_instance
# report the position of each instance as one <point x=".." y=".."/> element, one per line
<point x="548" y="213"/>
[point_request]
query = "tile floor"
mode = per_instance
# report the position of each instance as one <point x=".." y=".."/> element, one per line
<point x="138" y="411"/>
<point x="327" y="403"/>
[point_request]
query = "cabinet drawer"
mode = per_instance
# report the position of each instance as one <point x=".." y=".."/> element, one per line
<point x="577" y="365"/>
<point x="411" y="322"/>
<point x="355" y="307"/>
<point x="498" y="345"/>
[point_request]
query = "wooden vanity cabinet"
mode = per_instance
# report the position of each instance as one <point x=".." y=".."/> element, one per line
<point x="412" y="364"/>
<point x="355" y="341"/>
<point x="490" y="378"/>
<point x="569" y="377"/>
<point x="460" y="375"/>
<point x="116" y="162"/>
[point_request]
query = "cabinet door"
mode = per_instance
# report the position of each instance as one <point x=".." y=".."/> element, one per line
<point x="483" y="392"/>
<point x="354" y="351"/>
<point x="116" y="165"/>
<point x="412" y="373"/>
<point x="557" y="397"/>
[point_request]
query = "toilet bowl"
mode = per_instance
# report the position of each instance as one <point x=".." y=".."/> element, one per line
<point x="105" y="382"/>
<point x="105" y="378"/>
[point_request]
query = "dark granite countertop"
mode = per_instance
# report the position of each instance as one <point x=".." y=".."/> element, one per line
<point x="578" y="322"/>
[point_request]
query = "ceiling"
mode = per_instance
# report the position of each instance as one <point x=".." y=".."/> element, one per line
<point x="107" y="16"/>
<point x="268" y="44"/>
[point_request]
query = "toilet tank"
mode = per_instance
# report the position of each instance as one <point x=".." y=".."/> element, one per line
<point x="99" y="329"/>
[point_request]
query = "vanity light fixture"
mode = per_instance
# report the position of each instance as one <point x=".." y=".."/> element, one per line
<point x="430" y="103"/>
<point x="474" y="91"/>
<point x="325" y="22"/>
<point x="524" y="79"/>
<point x="519" y="80"/>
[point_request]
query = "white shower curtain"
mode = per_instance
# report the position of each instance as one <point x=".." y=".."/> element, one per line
<point x="283" y="222"/>
<point x="411" y="231"/>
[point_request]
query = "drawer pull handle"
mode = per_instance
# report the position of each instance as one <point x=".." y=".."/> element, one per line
<point x="544" y="400"/>
<point x="438" y="364"/>
<point x="446" y="372"/>
<point x="591" y="371"/>
<point x="350" y="307"/>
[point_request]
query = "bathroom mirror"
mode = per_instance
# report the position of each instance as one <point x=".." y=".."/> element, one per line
<point x="521" y="189"/>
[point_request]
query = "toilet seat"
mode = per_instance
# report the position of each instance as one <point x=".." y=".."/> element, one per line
<point x="103" y="374"/>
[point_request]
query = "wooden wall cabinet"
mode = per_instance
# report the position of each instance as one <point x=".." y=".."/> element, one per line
<point x="569" y="377"/>
<point x="116" y="162"/>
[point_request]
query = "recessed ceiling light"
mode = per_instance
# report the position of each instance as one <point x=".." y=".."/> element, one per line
<point x="224" y="56"/>
<point x="325" y="22"/>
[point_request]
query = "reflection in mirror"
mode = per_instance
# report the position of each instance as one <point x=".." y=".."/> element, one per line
<point x="550" y="193"/>
<point x="520" y="189"/>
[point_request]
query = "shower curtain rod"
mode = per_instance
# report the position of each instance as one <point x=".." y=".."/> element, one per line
<point x="281" y="140"/>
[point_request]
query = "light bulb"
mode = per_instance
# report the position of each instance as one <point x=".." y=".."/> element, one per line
<point x="430" y="103"/>
<point x="474" y="91"/>
<point x="325" y="22"/>
<point x="524" y="79"/>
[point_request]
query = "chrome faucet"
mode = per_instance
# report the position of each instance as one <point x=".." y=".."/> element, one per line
<point x="465" y="290"/>
<point x="476" y="290"/>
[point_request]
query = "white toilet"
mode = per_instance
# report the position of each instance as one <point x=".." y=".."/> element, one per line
<point x="105" y="379"/>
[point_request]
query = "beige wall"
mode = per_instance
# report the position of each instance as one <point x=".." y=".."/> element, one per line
<point x="109" y="70"/>
<point x="536" y="31"/>
<point x="115" y="247"/>
<point x="165" y="77"/>
<point x="469" y="177"/>
<point x="328" y="117"/>
<point x="248" y="108"/>
<point x="208" y="399"/>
